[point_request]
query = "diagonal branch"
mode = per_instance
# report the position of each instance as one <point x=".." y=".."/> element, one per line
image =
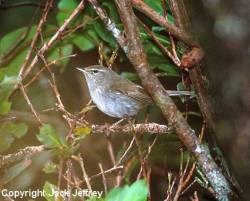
<point x="47" y="8"/>
<point x="56" y="36"/>
<point x="27" y="152"/>
<point x="186" y="134"/>
<point x="159" y="19"/>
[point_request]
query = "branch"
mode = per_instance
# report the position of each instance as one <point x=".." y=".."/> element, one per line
<point x="158" y="43"/>
<point x="47" y="8"/>
<point x="20" y="4"/>
<point x="57" y="35"/>
<point x="171" y="113"/>
<point x="190" y="61"/>
<point x="33" y="110"/>
<point x="150" y="128"/>
<point x="27" y="152"/>
<point x="156" y="17"/>
<point x="179" y="13"/>
<point x="109" y="25"/>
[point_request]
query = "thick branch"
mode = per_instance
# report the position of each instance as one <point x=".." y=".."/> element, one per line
<point x="203" y="97"/>
<point x="172" y="114"/>
<point x="190" y="61"/>
<point x="151" y="128"/>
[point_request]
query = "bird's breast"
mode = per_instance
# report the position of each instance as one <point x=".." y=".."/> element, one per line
<point x="115" y="104"/>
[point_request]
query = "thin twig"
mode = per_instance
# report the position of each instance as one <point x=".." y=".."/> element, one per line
<point x="165" y="14"/>
<point x="15" y="48"/>
<point x="35" y="77"/>
<point x="30" y="104"/>
<point x="126" y="152"/>
<point x="60" y="173"/>
<point x="107" y="171"/>
<point x="110" y="149"/>
<point x="69" y="176"/>
<point x="104" y="180"/>
<point x="20" y="4"/>
<point x="156" y="17"/>
<point x="43" y="19"/>
<point x="56" y="36"/>
<point x="79" y="159"/>
<point x="158" y="43"/>
<point x="25" y="153"/>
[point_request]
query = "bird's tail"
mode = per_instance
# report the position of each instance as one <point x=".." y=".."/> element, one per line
<point x="181" y="93"/>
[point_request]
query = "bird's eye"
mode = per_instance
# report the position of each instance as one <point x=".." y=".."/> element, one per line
<point x="94" y="71"/>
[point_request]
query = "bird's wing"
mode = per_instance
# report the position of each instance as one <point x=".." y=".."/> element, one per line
<point x="131" y="90"/>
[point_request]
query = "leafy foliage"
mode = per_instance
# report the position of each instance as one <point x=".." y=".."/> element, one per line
<point x="9" y="132"/>
<point x="50" y="167"/>
<point x="48" y="189"/>
<point x="12" y="172"/>
<point x="138" y="191"/>
<point x="85" y="33"/>
<point x="82" y="131"/>
<point x="49" y="137"/>
<point x="83" y="42"/>
<point x="65" y="8"/>
<point x="6" y="87"/>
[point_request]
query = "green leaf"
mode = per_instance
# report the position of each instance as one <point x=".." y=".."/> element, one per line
<point x="9" y="131"/>
<point x="158" y="29"/>
<point x="82" y="131"/>
<point x="60" y="51"/>
<point x="138" y="191"/>
<point x="13" y="67"/>
<point x="18" y="130"/>
<point x="111" y="9"/>
<point x="12" y="172"/>
<point x="151" y="48"/>
<point x="49" y="137"/>
<point x="11" y="39"/>
<point x="5" y="107"/>
<point x="95" y="199"/>
<point x="6" y="141"/>
<point x="82" y="42"/>
<point x="9" y="43"/>
<point x="169" y="69"/>
<point x="104" y="34"/>
<point x="156" y="5"/>
<point x="6" y="88"/>
<point x="50" y="167"/>
<point x="130" y="76"/>
<point x="48" y="189"/>
<point x="163" y="64"/>
<point x="65" y="8"/>
<point x="117" y="194"/>
<point x="180" y="86"/>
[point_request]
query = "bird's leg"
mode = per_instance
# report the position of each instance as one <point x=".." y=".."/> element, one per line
<point x="121" y="120"/>
<point x="118" y="122"/>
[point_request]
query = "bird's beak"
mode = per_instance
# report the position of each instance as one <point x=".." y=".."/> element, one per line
<point x="82" y="70"/>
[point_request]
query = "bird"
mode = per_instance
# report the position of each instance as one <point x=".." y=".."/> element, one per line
<point x="115" y="95"/>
